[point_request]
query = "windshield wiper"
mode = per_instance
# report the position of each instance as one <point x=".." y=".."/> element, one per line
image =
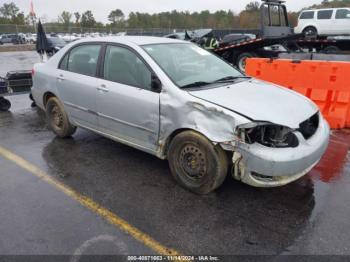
<point x="196" y="84"/>
<point x="221" y="80"/>
<point x="230" y="79"/>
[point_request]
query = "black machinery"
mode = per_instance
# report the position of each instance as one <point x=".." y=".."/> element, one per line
<point x="14" y="83"/>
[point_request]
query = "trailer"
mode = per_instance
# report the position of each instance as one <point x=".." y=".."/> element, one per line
<point x="237" y="53"/>
<point x="14" y="83"/>
<point x="336" y="44"/>
<point x="289" y="46"/>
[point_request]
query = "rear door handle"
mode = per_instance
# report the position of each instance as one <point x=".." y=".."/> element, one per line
<point x="60" y="77"/>
<point x="103" y="88"/>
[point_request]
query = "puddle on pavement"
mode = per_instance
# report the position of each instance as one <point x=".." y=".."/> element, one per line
<point x="333" y="167"/>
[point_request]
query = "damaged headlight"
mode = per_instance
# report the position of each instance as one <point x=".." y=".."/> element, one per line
<point x="269" y="135"/>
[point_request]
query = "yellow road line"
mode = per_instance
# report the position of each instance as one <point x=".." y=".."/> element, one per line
<point x="90" y="204"/>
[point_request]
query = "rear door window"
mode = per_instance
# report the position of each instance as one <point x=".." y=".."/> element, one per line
<point x="342" y="14"/>
<point x="307" y="15"/>
<point x="324" y="14"/>
<point x="83" y="59"/>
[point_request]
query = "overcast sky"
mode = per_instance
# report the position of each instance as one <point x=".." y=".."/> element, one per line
<point x="101" y="8"/>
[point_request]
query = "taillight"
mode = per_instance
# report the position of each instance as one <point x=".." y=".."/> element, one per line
<point x="33" y="72"/>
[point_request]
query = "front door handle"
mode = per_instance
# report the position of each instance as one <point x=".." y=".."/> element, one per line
<point x="103" y="88"/>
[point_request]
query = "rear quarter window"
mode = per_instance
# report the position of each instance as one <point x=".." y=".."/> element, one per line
<point x="64" y="62"/>
<point x="342" y="14"/>
<point x="307" y="15"/>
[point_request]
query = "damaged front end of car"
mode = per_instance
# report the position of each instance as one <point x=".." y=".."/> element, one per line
<point x="271" y="155"/>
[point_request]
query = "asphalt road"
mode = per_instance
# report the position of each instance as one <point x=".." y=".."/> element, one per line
<point x="307" y="217"/>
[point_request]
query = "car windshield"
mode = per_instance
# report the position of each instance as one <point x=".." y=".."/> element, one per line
<point x="188" y="65"/>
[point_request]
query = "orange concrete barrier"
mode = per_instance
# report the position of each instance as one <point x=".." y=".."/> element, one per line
<point x="327" y="83"/>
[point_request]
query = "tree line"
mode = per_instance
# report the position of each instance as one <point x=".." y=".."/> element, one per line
<point x="10" y="14"/>
<point x="222" y="19"/>
<point x="332" y="4"/>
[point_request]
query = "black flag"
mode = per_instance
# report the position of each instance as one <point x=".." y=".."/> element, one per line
<point x="42" y="45"/>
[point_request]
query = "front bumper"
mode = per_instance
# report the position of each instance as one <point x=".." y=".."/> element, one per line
<point x="262" y="166"/>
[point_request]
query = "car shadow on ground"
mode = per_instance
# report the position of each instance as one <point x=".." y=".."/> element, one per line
<point x="140" y="188"/>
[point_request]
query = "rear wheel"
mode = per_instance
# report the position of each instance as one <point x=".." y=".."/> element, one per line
<point x="58" y="119"/>
<point x="196" y="163"/>
<point x="5" y="104"/>
<point x="242" y="60"/>
<point x="310" y="32"/>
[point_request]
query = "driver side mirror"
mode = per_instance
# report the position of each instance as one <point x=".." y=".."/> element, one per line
<point x="156" y="85"/>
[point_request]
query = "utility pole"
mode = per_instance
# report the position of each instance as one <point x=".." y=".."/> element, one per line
<point x="32" y="15"/>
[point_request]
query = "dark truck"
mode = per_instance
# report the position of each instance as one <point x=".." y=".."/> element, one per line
<point x="275" y="38"/>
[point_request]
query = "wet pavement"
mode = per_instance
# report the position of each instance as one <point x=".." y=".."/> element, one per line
<point x="22" y="60"/>
<point x="309" y="216"/>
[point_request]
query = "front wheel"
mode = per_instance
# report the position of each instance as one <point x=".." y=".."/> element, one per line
<point x="58" y="119"/>
<point x="196" y="163"/>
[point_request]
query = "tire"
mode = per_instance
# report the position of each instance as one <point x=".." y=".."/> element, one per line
<point x="331" y="49"/>
<point x="57" y="119"/>
<point x="5" y="104"/>
<point x="310" y="32"/>
<point x="208" y="167"/>
<point x="241" y="60"/>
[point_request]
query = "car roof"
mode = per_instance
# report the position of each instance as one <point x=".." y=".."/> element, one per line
<point x="137" y="40"/>
<point x="323" y="9"/>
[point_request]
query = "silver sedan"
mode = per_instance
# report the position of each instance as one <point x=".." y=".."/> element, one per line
<point x="174" y="100"/>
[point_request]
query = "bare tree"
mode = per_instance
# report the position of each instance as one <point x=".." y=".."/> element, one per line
<point x="65" y="18"/>
<point x="77" y="17"/>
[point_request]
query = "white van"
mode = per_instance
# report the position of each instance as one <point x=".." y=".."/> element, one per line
<point x="331" y="21"/>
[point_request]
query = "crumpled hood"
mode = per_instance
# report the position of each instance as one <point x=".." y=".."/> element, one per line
<point x="261" y="101"/>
